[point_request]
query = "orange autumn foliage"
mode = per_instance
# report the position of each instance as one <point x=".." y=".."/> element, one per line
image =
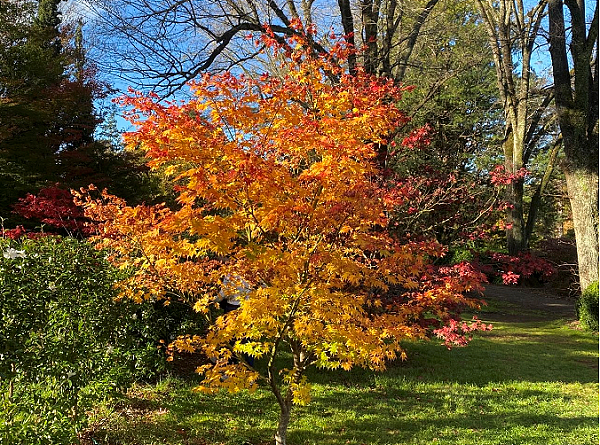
<point x="278" y="186"/>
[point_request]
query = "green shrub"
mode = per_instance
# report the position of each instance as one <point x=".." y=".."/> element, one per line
<point x="587" y="308"/>
<point x="65" y="341"/>
<point x="459" y="254"/>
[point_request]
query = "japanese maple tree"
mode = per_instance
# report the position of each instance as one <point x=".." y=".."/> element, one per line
<point x="279" y="194"/>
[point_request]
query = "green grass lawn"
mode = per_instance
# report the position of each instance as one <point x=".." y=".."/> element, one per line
<point x="531" y="380"/>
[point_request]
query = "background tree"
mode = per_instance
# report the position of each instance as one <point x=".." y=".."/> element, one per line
<point x="162" y="44"/>
<point x="49" y="92"/>
<point x="576" y="91"/>
<point x="31" y="68"/>
<point x="456" y="97"/>
<point x="281" y="195"/>
<point x="512" y="34"/>
<point x="46" y="107"/>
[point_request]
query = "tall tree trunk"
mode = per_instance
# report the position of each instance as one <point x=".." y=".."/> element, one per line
<point x="576" y="93"/>
<point x="411" y="40"/>
<point x="536" y="199"/>
<point x="515" y="231"/>
<point x="511" y="29"/>
<point x="348" y="26"/>
<point x="370" y="17"/>
<point x="582" y="185"/>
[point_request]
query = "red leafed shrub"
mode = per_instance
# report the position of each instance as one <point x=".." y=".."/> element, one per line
<point x="513" y="269"/>
<point x="457" y="333"/>
<point x="54" y="207"/>
<point x="454" y="289"/>
<point x="449" y="206"/>
<point x="15" y="233"/>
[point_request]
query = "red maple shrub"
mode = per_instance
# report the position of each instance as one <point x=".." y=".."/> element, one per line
<point x="53" y="207"/>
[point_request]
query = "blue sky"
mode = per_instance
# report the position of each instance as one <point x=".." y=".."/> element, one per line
<point x="74" y="9"/>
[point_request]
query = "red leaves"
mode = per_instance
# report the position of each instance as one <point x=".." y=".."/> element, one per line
<point x="457" y="333"/>
<point x="512" y="269"/>
<point x="448" y="205"/>
<point x="499" y="176"/>
<point x="54" y="207"/>
<point x="419" y="138"/>
<point x="463" y="277"/>
<point x="15" y="233"/>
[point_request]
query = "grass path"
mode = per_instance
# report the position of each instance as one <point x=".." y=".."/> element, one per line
<point x="532" y="380"/>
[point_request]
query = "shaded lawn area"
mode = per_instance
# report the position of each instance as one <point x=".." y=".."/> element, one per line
<point x="529" y="381"/>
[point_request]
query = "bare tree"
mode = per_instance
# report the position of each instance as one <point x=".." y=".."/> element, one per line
<point x="164" y="43"/>
<point x="512" y="33"/>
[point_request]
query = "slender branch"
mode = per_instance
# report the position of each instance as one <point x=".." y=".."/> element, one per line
<point x="537" y="196"/>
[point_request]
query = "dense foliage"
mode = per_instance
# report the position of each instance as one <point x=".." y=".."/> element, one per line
<point x="587" y="307"/>
<point x="46" y="100"/>
<point x="49" y="117"/>
<point x="65" y="341"/>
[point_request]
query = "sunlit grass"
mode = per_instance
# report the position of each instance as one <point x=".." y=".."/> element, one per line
<point x="529" y="381"/>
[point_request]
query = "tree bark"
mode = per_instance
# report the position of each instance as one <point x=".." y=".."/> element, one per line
<point x="576" y="92"/>
<point x="515" y="217"/>
<point x="348" y="26"/>
<point x="284" y="421"/>
<point x="536" y="199"/>
<point x="412" y="39"/>
<point x="515" y="233"/>
<point x="582" y="185"/>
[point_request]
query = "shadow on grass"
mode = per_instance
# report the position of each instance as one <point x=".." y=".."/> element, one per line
<point x="530" y="382"/>
<point x="395" y="424"/>
<point x="532" y="352"/>
<point x="179" y="415"/>
<point x="515" y="385"/>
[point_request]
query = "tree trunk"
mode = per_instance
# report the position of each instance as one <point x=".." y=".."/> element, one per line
<point x="348" y="26"/>
<point x="576" y="93"/>
<point x="536" y="199"/>
<point x="370" y="17"/>
<point x="284" y="421"/>
<point x="513" y="162"/>
<point x="515" y="233"/>
<point x="512" y="33"/>
<point x="411" y="40"/>
<point x="583" y="195"/>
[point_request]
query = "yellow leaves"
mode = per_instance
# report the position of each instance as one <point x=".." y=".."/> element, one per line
<point x="215" y="233"/>
<point x="299" y="387"/>
<point x="202" y="305"/>
<point x="230" y="377"/>
<point x="185" y="344"/>
<point x="254" y="349"/>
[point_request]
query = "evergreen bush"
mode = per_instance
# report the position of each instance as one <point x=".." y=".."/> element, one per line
<point x="65" y="341"/>
<point x="587" y="308"/>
